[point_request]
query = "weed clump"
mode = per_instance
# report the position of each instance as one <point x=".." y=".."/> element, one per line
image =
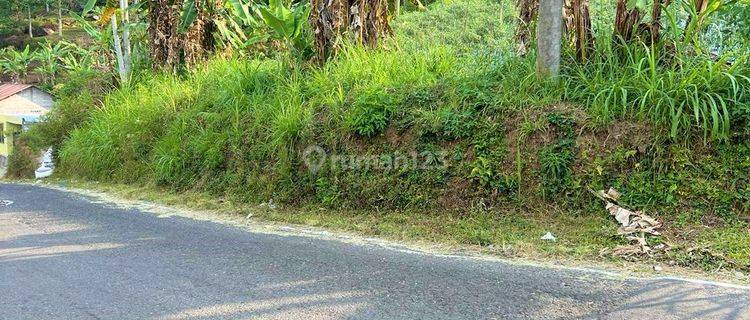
<point x="22" y="162"/>
<point x="485" y="136"/>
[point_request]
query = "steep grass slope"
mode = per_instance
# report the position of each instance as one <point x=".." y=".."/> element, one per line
<point x="443" y="119"/>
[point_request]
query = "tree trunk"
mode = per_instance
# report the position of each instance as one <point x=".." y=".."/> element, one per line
<point x="375" y="13"/>
<point x="328" y="19"/>
<point x="59" y="18"/>
<point x="549" y="38"/>
<point x="163" y="16"/>
<point x="31" y="28"/>
<point x="654" y="27"/>
<point x="125" y="33"/>
<point x="578" y="25"/>
<point x="121" y="67"/>
<point x="366" y="20"/>
<point x="198" y="41"/>
<point x="628" y="26"/>
<point x="626" y="21"/>
<point x="170" y="48"/>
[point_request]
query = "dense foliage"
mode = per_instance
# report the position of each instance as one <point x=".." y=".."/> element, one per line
<point x="239" y="126"/>
<point x="667" y="124"/>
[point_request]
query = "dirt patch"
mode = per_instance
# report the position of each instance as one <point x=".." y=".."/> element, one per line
<point x="457" y="195"/>
<point x="529" y="130"/>
<point x="601" y="142"/>
<point x="398" y="138"/>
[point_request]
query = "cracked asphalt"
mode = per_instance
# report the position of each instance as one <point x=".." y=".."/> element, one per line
<point x="64" y="256"/>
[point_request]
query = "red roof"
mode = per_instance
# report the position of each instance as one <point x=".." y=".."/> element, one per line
<point x="9" y="89"/>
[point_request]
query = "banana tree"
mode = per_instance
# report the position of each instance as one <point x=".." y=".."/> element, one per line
<point x="239" y="26"/>
<point x="30" y="6"/>
<point x="366" y="20"/>
<point x="527" y="12"/>
<point x="699" y="14"/>
<point x="16" y="63"/>
<point x="578" y="25"/>
<point x="49" y="58"/>
<point x="111" y="37"/>
<point x="286" y="23"/>
<point x="639" y="19"/>
<point x="181" y="31"/>
<point x="107" y="24"/>
<point x="59" y="18"/>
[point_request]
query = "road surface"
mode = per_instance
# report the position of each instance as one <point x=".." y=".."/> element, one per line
<point x="63" y="256"/>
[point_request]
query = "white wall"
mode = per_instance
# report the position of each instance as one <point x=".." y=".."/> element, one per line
<point x="39" y="97"/>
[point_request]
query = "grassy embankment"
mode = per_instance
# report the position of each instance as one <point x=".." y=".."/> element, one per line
<point x="15" y="33"/>
<point x="501" y="157"/>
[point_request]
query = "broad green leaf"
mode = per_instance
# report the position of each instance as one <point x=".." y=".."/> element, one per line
<point x="92" y="31"/>
<point x="641" y="5"/>
<point x="188" y="15"/>
<point x="240" y="9"/>
<point x="301" y="14"/>
<point x="279" y="26"/>
<point x="88" y="7"/>
<point x="275" y="5"/>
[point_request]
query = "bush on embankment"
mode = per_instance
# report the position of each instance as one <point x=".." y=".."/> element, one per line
<point x="485" y="132"/>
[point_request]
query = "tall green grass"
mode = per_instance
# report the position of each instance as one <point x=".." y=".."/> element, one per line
<point x="448" y="80"/>
<point x="236" y="125"/>
<point x="682" y="94"/>
<point x="118" y="138"/>
<point x="448" y="83"/>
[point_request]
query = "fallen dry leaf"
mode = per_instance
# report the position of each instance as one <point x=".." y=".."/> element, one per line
<point x="633" y="224"/>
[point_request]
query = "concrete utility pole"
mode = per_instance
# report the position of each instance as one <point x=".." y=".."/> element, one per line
<point x="59" y="18"/>
<point x="121" y="67"/>
<point x="125" y="32"/>
<point x="549" y="38"/>
<point x="31" y="30"/>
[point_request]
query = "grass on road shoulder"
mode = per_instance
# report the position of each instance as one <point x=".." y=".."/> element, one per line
<point x="717" y="252"/>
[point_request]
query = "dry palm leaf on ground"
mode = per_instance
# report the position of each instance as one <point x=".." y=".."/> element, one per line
<point x="634" y="225"/>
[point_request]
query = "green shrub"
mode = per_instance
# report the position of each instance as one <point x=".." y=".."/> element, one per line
<point x="118" y="138"/>
<point x="371" y="112"/>
<point x="457" y="124"/>
<point x="468" y="26"/>
<point x="22" y="162"/>
<point x="327" y="192"/>
<point x="555" y="161"/>
<point x="75" y="100"/>
<point x="237" y="127"/>
<point x="684" y="94"/>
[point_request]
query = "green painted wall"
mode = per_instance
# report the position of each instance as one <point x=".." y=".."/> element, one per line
<point x="10" y="125"/>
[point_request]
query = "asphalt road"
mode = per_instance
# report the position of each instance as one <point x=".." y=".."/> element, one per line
<point x="63" y="256"/>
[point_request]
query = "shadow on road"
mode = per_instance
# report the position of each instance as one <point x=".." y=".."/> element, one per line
<point x="695" y="301"/>
<point x="64" y="257"/>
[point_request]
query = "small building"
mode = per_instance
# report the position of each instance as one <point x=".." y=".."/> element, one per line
<point x="20" y="105"/>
